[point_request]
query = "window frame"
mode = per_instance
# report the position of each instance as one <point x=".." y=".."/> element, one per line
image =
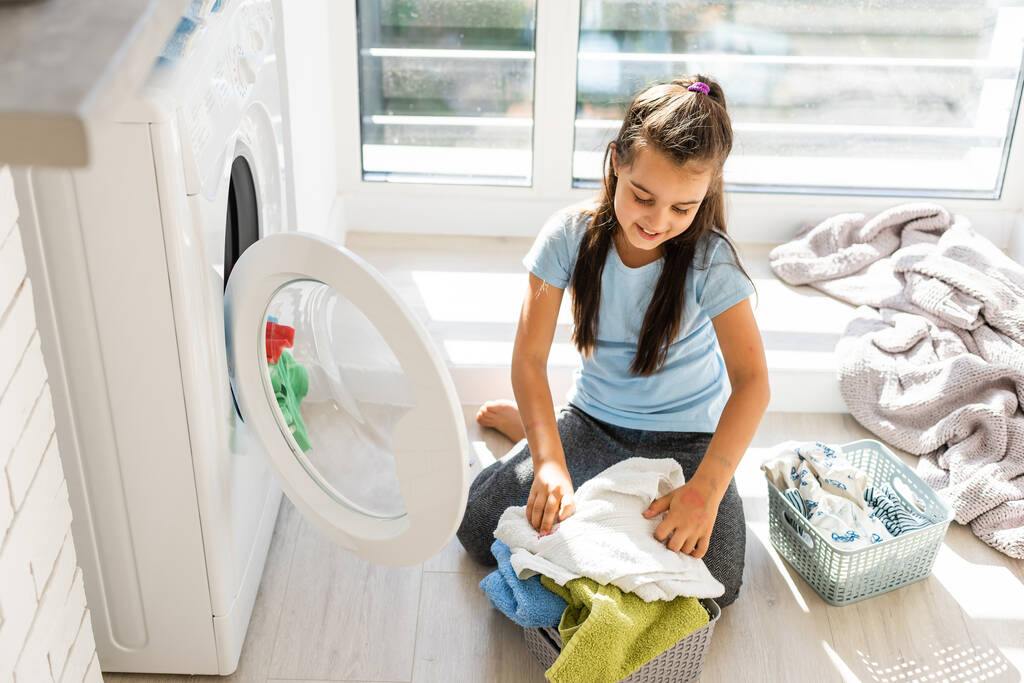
<point x="519" y="211"/>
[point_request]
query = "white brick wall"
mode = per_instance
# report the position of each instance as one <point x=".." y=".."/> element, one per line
<point x="45" y="629"/>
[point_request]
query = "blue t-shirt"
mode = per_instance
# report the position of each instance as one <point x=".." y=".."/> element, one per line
<point x="689" y="393"/>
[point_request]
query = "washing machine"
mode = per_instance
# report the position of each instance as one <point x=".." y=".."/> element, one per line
<point x="205" y="354"/>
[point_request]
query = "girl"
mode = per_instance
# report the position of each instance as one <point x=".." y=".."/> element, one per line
<point x="654" y="280"/>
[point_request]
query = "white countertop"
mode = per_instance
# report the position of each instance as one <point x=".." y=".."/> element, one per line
<point x="65" y="63"/>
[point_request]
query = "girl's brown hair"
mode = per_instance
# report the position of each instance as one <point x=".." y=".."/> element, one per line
<point x="686" y="126"/>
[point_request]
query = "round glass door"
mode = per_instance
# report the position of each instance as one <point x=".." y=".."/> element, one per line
<point x="349" y="396"/>
<point x="339" y="391"/>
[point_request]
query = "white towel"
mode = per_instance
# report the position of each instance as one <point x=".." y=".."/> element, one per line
<point x="609" y="540"/>
<point x="832" y="490"/>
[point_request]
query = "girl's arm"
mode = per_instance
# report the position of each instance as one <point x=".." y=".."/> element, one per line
<point x="534" y="334"/>
<point x="694" y="506"/>
<point x="743" y="352"/>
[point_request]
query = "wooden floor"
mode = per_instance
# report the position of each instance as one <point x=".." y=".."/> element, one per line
<point x="323" y="615"/>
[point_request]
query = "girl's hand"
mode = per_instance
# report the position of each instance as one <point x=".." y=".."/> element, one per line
<point x="692" y="510"/>
<point x="551" y="496"/>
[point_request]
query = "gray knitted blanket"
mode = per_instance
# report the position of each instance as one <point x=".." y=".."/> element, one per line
<point x="933" y="361"/>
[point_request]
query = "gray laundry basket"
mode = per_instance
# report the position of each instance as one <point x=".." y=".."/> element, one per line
<point x="842" y="576"/>
<point x="682" y="662"/>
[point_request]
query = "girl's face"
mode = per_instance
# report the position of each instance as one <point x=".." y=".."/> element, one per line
<point x="655" y="200"/>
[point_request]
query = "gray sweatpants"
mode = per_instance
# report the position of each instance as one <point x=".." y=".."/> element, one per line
<point x="592" y="446"/>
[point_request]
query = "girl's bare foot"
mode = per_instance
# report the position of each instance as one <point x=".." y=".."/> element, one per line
<point x="502" y="415"/>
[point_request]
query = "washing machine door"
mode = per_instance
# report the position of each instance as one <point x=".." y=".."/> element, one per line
<point x="349" y="396"/>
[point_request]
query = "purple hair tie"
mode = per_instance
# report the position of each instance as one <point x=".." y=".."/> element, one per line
<point x="700" y="87"/>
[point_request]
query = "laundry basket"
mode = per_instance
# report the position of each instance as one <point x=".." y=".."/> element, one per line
<point x="842" y="576"/>
<point x="680" y="663"/>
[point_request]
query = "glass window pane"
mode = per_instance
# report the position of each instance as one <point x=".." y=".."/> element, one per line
<point x="866" y="96"/>
<point x="446" y="90"/>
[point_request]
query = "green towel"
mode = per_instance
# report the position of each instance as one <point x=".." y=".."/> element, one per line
<point x="608" y="634"/>
<point x="291" y="383"/>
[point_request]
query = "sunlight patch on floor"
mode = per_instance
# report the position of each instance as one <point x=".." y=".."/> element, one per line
<point x="483" y="454"/>
<point x="944" y="662"/>
<point x="844" y="671"/>
<point x="760" y="531"/>
<point x="971" y="584"/>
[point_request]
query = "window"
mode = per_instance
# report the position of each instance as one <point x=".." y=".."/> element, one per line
<point x="446" y="90"/>
<point x="852" y="97"/>
<point x="508" y="105"/>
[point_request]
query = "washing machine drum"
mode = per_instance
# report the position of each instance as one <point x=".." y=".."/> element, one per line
<point x="350" y="397"/>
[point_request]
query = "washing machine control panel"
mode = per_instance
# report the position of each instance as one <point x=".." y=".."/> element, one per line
<point x="238" y="51"/>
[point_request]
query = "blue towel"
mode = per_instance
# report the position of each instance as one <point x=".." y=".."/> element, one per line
<point x="527" y="603"/>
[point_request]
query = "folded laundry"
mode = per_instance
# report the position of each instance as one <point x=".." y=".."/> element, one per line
<point x="524" y="601"/>
<point x="609" y="540"/>
<point x="290" y="382"/>
<point x="608" y="634"/>
<point x="826" y="484"/>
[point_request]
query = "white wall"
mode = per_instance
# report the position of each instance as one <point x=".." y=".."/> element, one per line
<point x="45" y="630"/>
<point x="1016" y="248"/>
<point x="304" y="43"/>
